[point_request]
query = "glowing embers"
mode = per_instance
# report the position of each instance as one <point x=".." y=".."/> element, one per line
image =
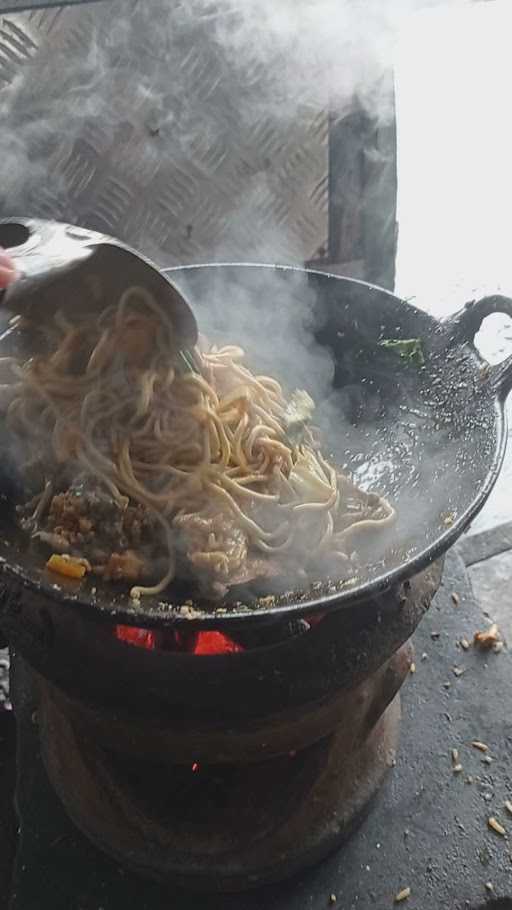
<point x="208" y="642"/>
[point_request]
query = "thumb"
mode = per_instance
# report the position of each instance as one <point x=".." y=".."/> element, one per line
<point x="8" y="271"/>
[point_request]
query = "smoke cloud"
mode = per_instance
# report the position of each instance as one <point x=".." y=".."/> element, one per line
<point x="197" y="130"/>
<point x="193" y="94"/>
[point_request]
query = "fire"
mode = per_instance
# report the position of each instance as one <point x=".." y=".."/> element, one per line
<point x="214" y="643"/>
<point x="141" y="638"/>
<point x="209" y="642"/>
<point x="185" y="642"/>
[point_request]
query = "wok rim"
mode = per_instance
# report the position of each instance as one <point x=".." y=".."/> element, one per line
<point x="339" y="599"/>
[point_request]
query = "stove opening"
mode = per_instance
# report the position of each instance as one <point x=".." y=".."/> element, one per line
<point x="208" y="642"/>
<point x="211" y="641"/>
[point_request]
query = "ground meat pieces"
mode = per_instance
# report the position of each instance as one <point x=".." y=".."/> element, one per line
<point x="127" y="566"/>
<point x="90" y="520"/>
<point x="85" y="521"/>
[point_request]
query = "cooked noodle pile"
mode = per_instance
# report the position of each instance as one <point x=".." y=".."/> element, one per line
<point x="154" y="461"/>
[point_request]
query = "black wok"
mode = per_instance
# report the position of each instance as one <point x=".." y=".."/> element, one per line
<point x="428" y="431"/>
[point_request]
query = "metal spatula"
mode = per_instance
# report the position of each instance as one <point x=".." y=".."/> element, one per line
<point x="62" y="266"/>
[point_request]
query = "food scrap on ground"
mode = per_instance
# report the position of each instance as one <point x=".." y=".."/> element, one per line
<point x="402" y="895"/>
<point x="482" y="747"/>
<point x="496" y="826"/>
<point x="456" y="765"/>
<point x="489" y="638"/>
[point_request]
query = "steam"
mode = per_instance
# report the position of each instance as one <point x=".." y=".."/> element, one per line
<point x="151" y="91"/>
<point x="146" y="88"/>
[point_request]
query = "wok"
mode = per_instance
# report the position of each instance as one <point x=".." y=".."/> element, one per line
<point x="426" y="430"/>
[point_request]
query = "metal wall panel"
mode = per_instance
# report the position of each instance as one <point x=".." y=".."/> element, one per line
<point x="131" y="117"/>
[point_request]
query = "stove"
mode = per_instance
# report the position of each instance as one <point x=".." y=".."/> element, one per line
<point x="218" y="771"/>
<point x="427" y="829"/>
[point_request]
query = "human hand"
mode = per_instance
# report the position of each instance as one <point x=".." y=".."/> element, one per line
<point x="8" y="272"/>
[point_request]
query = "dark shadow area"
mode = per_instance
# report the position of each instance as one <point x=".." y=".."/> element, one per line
<point x="503" y="903"/>
<point x="7" y="814"/>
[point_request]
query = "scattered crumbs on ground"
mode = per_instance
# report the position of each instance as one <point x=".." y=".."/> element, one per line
<point x="458" y="671"/>
<point x="469" y="779"/>
<point x="402" y="895"/>
<point x="446" y="685"/>
<point x="487" y="760"/>
<point x="435" y="635"/>
<point x="455" y="756"/>
<point x="508" y="806"/>
<point x="478" y="744"/>
<point x="496" y="826"/>
<point x="412" y="668"/>
<point x="455" y="599"/>
<point x="489" y="887"/>
<point x="332" y="898"/>
<point x="457" y="769"/>
<point x="488" y="639"/>
<point x="464" y="643"/>
<point x="424" y="656"/>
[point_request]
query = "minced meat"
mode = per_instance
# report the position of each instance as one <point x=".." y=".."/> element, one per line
<point x="86" y="521"/>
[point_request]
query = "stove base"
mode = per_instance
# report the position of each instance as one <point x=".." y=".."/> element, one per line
<point x="427" y="829"/>
<point x="218" y="828"/>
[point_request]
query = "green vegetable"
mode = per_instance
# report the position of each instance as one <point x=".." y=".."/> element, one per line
<point x="409" y="349"/>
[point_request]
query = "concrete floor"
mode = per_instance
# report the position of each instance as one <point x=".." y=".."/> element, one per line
<point x="491" y="582"/>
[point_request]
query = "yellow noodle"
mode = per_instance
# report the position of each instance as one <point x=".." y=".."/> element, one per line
<point x="180" y="442"/>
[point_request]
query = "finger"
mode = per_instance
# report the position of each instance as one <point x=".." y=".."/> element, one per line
<point x="8" y="271"/>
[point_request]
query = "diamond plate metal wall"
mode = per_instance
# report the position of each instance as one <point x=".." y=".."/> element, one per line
<point x="130" y="117"/>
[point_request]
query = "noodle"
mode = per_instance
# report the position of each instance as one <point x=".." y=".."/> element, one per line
<point x="189" y="450"/>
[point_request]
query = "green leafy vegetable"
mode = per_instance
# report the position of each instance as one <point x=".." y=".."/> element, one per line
<point x="409" y="349"/>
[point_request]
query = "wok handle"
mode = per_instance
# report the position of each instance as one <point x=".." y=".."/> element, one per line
<point x="465" y="324"/>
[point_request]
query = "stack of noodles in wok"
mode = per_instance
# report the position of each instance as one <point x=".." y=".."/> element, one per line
<point x="149" y="462"/>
